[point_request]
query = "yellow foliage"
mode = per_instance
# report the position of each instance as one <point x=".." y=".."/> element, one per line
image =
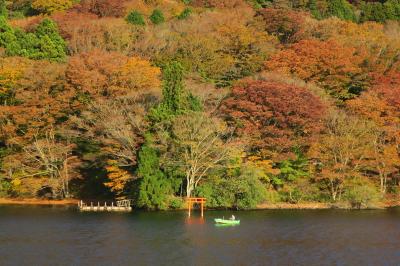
<point x="50" y="6"/>
<point x="16" y="182"/>
<point x="11" y="70"/>
<point x="139" y="73"/>
<point x="266" y="165"/>
<point x="118" y="178"/>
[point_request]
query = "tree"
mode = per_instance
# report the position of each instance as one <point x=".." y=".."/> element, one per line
<point x="273" y="117"/>
<point x="286" y="24"/>
<point x="51" y="6"/>
<point x="135" y="18"/>
<point x="11" y="70"/>
<point x="157" y="17"/>
<point x="118" y="178"/>
<point x="99" y="73"/>
<point x="342" y="151"/>
<point x="341" y="9"/>
<point x="185" y="13"/>
<point x="154" y="187"/>
<point x="217" y="3"/>
<point x="103" y="8"/>
<point x="329" y="64"/>
<point x="196" y="146"/>
<point x="85" y="32"/>
<point x="49" y="157"/>
<point x="381" y="105"/>
<point x="119" y="125"/>
<point x="3" y="9"/>
<point x="37" y="100"/>
<point x="44" y="43"/>
<point x="238" y="187"/>
<point x="176" y="99"/>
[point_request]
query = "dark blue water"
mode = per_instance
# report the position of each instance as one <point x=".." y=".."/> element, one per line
<point x="62" y="236"/>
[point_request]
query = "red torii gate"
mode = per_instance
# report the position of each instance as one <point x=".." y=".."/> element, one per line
<point x="192" y="201"/>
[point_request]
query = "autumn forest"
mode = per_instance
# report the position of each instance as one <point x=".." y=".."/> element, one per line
<point x="240" y="101"/>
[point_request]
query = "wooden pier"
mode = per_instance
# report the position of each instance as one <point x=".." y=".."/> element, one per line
<point x="120" y="206"/>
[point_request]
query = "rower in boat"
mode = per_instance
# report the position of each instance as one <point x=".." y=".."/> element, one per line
<point x="230" y="221"/>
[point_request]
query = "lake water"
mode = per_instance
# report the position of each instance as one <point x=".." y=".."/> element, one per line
<point x="63" y="236"/>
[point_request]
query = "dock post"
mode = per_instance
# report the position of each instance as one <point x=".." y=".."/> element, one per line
<point x="202" y="211"/>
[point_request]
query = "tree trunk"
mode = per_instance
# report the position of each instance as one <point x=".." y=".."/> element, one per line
<point x="189" y="187"/>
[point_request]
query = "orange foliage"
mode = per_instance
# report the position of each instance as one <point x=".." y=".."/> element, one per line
<point x="100" y="73"/>
<point x="85" y="32"/>
<point x="118" y="178"/>
<point x="40" y="99"/>
<point x="329" y="64"/>
<point x="371" y="40"/>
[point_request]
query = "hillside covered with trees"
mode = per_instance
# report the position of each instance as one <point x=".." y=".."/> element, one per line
<point x="242" y="102"/>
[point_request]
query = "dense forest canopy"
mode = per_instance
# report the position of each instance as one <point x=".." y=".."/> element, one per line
<point x="242" y="102"/>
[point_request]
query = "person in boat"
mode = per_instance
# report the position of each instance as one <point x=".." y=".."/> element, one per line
<point x="233" y="217"/>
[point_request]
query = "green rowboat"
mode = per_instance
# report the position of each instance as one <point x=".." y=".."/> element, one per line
<point x="227" y="222"/>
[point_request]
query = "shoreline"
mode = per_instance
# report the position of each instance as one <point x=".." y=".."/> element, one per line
<point x="19" y="201"/>
<point x="263" y="206"/>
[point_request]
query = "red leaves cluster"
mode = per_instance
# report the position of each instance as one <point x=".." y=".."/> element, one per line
<point x="102" y="8"/>
<point x="381" y="104"/>
<point x="67" y="22"/>
<point x="217" y="3"/>
<point x="275" y="116"/>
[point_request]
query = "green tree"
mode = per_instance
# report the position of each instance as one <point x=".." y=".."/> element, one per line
<point x="157" y="17"/>
<point x="135" y="18"/>
<point x="185" y="13"/>
<point x="196" y="145"/>
<point x="50" y="45"/>
<point x="44" y="43"/>
<point x="154" y="187"/>
<point x="341" y="9"/>
<point x="176" y="99"/>
<point x="292" y="169"/>
<point x="361" y="193"/>
<point x="312" y="6"/>
<point x="3" y="9"/>
<point x="173" y="88"/>
<point x="239" y="187"/>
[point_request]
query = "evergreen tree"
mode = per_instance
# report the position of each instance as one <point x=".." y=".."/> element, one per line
<point x="154" y="187"/>
<point x="157" y="17"/>
<point x="51" y="44"/>
<point x="135" y="18"/>
<point x="3" y="9"/>
<point x="173" y="88"/>
<point x="176" y="99"/>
